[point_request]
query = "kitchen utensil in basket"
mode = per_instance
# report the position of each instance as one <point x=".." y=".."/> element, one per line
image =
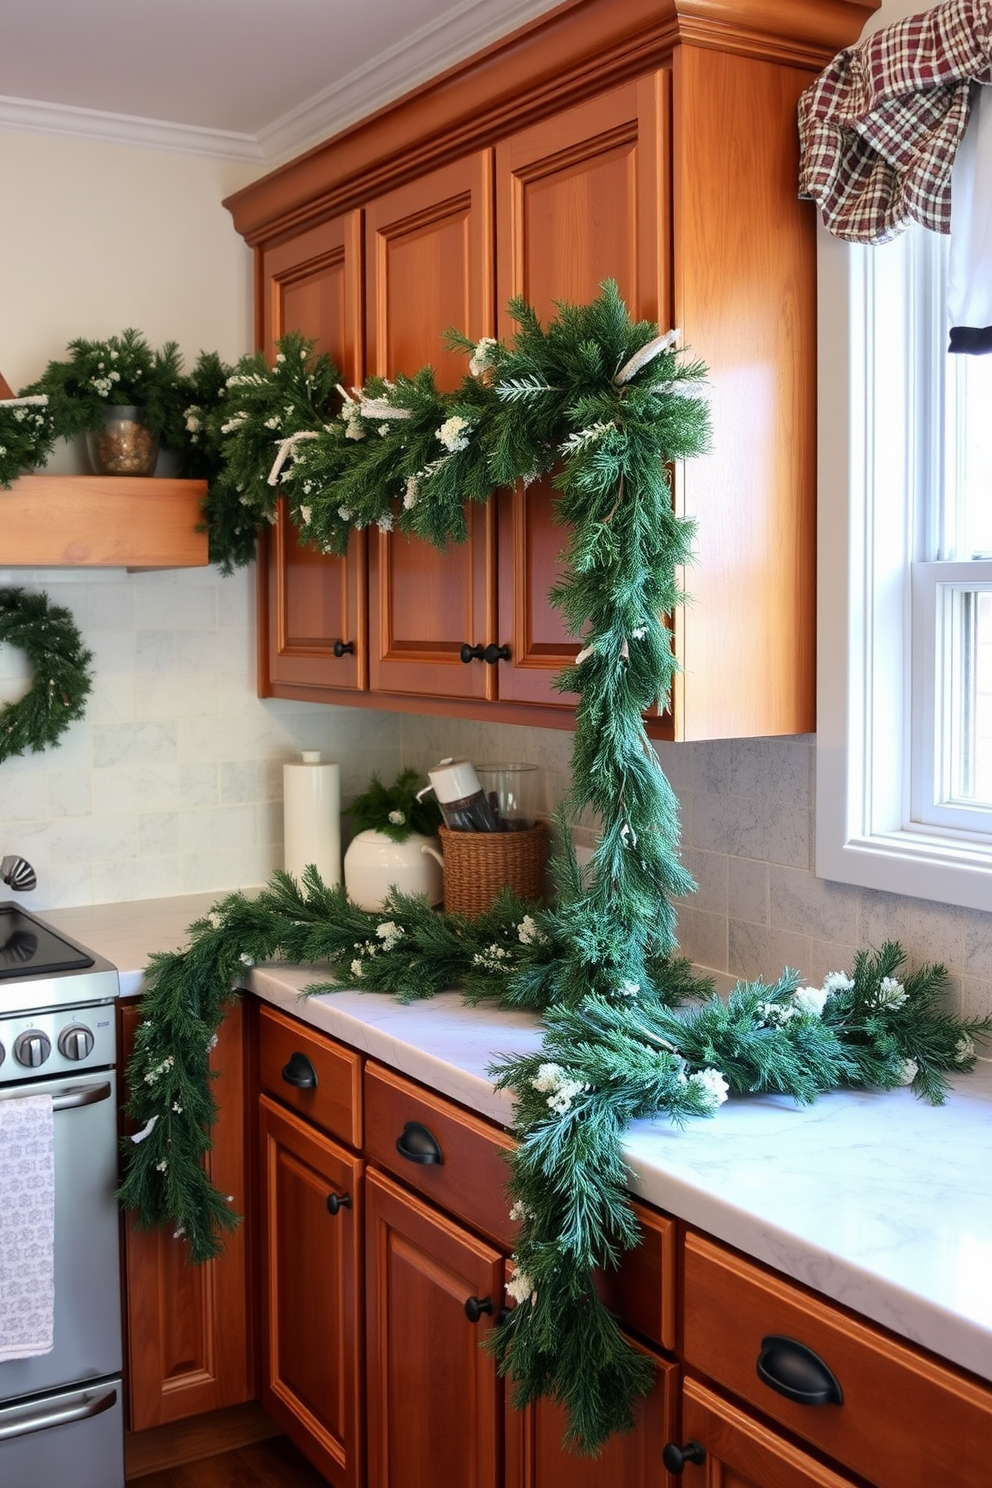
<point x="477" y="865"/>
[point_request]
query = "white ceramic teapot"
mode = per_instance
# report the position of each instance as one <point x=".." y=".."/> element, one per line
<point x="374" y="863"/>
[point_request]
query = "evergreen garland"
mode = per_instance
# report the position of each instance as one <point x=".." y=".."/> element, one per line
<point x="61" y="680"/>
<point x="608" y="405"/>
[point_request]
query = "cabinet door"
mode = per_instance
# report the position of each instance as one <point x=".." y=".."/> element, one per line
<point x="310" y="601"/>
<point x="188" y="1329"/>
<point x="739" y="1452"/>
<point x="311" y="1329"/>
<point x="536" y="1458"/>
<point x="429" y="256"/>
<point x="580" y="197"/>
<point x="434" y="1396"/>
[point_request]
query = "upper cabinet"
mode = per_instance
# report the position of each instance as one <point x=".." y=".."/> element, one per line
<point x="594" y="143"/>
<point x="312" y="606"/>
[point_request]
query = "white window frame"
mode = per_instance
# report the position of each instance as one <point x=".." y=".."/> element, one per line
<point x="872" y="391"/>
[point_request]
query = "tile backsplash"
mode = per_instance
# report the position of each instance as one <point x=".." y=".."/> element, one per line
<point x="172" y="784"/>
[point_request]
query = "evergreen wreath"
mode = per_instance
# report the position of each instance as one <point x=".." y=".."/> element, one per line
<point x="608" y="405"/>
<point x="61" y="680"/>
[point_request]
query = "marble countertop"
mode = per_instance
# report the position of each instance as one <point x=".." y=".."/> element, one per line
<point x="876" y="1200"/>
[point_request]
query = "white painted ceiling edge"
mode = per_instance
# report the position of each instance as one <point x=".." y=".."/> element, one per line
<point x="232" y="79"/>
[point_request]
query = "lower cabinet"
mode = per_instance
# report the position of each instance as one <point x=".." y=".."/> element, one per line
<point x="435" y="1400"/>
<point x="386" y="1238"/>
<point x="724" y="1447"/>
<point x="311" y="1192"/>
<point x="535" y="1457"/>
<point x="188" y="1334"/>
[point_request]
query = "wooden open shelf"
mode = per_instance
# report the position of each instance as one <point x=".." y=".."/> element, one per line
<point x="82" y="521"/>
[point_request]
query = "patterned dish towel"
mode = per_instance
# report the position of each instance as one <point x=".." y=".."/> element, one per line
<point x="27" y="1227"/>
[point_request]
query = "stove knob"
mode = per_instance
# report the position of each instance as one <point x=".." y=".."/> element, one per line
<point x="76" y="1041"/>
<point x="32" y="1048"/>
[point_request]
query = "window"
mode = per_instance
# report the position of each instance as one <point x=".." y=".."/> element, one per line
<point x="904" y="724"/>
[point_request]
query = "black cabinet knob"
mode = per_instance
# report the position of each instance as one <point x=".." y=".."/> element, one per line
<point x="793" y="1370"/>
<point x="337" y="1202"/>
<point x="676" y="1458"/>
<point x="343" y="648"/>
<point x="300" y="1072"/>
<point x="490" y="654"/>
<point x="476" y="1306"/>
<point x="418" y="1144"/>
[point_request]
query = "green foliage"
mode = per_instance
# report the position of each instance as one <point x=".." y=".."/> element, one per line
<point x="394" y="809"/>
<point x="61" y="680"/>
<point x="121" y="370"/>
<point x="606" y="406"/>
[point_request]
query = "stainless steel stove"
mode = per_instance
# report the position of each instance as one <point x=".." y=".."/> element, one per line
<point x="61" y="1416"/>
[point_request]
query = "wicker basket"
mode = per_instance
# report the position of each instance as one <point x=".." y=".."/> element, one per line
<point x="478" y="864"/>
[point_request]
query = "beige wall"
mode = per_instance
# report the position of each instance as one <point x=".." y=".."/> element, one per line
<point x="172" y="781"/>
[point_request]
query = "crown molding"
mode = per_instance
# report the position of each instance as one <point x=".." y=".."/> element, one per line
<point x="465" y="28"/>
<point x="451" y="38"/>
<point x="126" y="129"/>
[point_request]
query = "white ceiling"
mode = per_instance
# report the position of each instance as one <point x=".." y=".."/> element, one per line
<point x="242" y="79"/>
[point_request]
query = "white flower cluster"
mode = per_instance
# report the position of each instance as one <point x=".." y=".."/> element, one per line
<point x="964" y="1049"/>
<point x="389" y="933"/>
<point x="482" y="356"/>
<point x="891" y="994"/>
<point x="629" y="989"/>
<point x="160" y="1069"/>
<point x="306" y="512"/>
<point x="713" y="1085"/>
<point x="528" y="932"/>
<point x="776" y="1014"/>
<point x="493" y="958"/>
<point x="554" y="1082"/>
<point x="520" y="1287"/>
<point x="909" y="1071"/>
<point x="366" y="950"/>
<point x="519" y="1212"/>
<point x="411" y="493"/>
<point x="398" y="818"/>
<point x="104" y="385"/>
<point x="453" y="433"/>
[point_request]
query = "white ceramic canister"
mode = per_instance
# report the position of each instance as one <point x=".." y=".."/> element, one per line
<point x="311" y="803"/>
<point x="374" y="863"/>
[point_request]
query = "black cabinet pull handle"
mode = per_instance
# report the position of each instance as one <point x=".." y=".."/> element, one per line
<point x="300" y="1072"/>
<point x="490" y="654"/>
<point x="343" y="648"/>
<point x="418" y="1145"/>
<point x="336" y="1202"/>
<point x="797" y="1373"/>
<point x="476" y="1306"/>
<point x="676" y="1458"/>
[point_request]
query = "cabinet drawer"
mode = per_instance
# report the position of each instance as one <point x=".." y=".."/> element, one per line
<point x="470" y="1178"/>
<point x="906" y="1421"/>
<point x="291" y="1056"/>
<point x="642" y="1292"/>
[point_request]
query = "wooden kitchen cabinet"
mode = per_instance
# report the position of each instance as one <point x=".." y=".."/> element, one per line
<point x="188" y="1329"/>
<point x="895" y="1417"/>
<point x="435" y="1400"/>
<point x="312" y="613"/>
<point x="738" y="1451"/>
<point x="429" y="267"/>
<point x="581" y="197"/>
<point x="657" y="146"/>
<point x="311" y="1212"/>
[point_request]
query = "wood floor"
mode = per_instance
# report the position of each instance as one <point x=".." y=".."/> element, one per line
<point x="268" y="1464"/>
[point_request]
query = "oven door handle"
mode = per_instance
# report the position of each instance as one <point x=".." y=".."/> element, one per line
<point x="69" y="1100"/>
<point x="23" y="1421"/>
